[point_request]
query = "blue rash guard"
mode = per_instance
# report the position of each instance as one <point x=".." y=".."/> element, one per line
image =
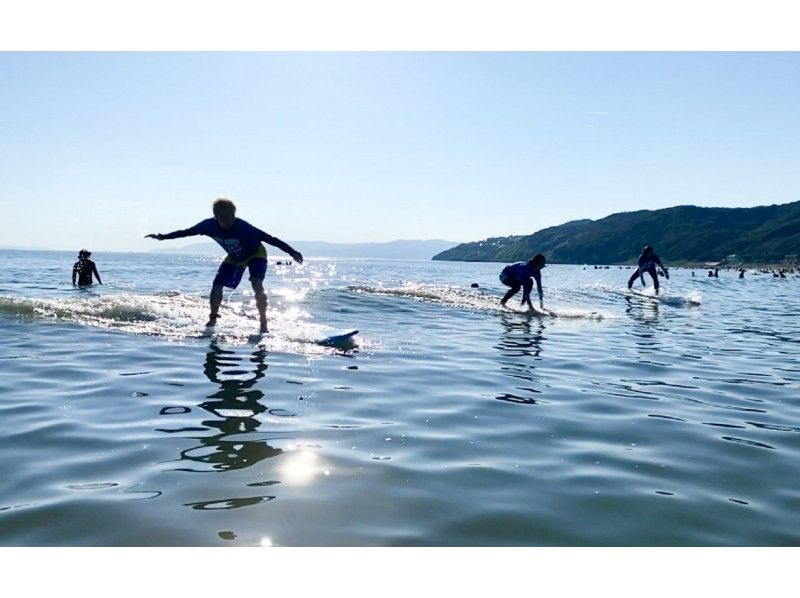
<point x="240" y="241"/>
<point x="648" y="261"/>
<point x="519" y="274"/>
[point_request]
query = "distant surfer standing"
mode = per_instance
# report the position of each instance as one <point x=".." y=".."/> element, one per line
<point x="648" y="261"/>
<point x="242" y="242"/>
<point x="83" y="270"/>
<point x="521" y="275"/>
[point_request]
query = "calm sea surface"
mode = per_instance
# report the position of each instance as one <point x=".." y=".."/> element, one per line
<point x="621" y="421"/>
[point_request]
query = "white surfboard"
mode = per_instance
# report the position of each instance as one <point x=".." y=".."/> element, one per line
<point x="341" y="340"/>
<point x="675" y="301"/>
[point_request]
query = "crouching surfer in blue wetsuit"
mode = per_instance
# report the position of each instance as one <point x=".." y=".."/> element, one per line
<point x="242" y="242"/>
<point x="647" y="263"/>
<point x="521" y="275"/>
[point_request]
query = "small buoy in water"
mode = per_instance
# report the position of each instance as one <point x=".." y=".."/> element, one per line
<point x="474" y="285"/>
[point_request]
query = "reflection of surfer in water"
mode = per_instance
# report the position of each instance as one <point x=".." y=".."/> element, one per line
<point x="242" y="242"/>
<point x="236" y="406"/>
<point x="83" y="269"/>
<point x="521" y="276"/>
<point x="647" y="263"/>
<point x="520" y="348"/>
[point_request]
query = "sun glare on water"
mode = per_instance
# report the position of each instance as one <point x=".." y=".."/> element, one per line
<point x="300" y="468"/>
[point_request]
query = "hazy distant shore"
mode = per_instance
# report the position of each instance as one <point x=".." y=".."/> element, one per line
<point x="211" y="249"/>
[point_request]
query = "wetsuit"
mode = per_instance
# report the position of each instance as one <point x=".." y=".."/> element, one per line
<point x="647" y="263"/>
<point x="242" y="243"/>
<point x="83" y="270"/>
<point x="518" y="276"/>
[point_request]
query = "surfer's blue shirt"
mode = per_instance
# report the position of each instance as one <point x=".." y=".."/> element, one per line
<point x="240" y="241"/>
<point x="647" y="261"/>
<point x="519" y="270"/>
<point x="520" y="274"/>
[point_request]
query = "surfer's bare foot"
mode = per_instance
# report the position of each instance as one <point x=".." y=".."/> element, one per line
<point x="212" y="320"/>
<point x="263" y="327"/>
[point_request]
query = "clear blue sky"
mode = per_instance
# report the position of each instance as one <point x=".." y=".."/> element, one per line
<point x="97" y="149"/>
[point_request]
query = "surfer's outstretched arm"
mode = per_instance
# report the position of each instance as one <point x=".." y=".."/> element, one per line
<point x="187" y="232"/>
<point x="285" y="247"/>
<point x="663" y="267"/>
<point x="96" y="273"/>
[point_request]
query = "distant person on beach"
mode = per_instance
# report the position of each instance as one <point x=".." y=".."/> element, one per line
<point x="521" y="276"/>
<point x="648" y="261"/>
<point x="83" y="270"/>
<point x="242" y="242"/>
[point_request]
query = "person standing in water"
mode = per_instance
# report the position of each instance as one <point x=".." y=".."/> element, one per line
<point x="242" y="242"/>
<point x="647" y="263"/>
<point x="521" y="275"/>
<point x="83" y="270"/>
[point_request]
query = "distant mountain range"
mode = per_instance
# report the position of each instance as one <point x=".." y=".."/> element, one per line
<point x="400" y="250"/>
<point x="17" y="248"/>
<point x="765" y="234"/>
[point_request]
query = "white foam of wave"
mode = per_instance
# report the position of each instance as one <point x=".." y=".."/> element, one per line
<point x="692" y="298"/>
<point x="476" y="300"/>
<point x="178" y="317"/>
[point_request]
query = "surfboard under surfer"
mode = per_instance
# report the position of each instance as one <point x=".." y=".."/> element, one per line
<point x="647" y="263"/>
<point x="242" y="242"/>
<point x="521" y="275"/>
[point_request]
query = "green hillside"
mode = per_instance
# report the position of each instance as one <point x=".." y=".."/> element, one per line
<point x="680" y="234"/>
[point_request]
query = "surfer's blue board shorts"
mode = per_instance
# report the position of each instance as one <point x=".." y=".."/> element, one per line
<point x="230" y="272"/>
<point x="512" y="281"/>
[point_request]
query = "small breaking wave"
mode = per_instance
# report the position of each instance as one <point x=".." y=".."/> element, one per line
<point x="691" y="299"/>
<point x="474" y="300"/>
<point x="175" y="316"/>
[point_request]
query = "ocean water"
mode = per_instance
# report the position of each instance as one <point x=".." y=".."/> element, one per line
<point x="621" y="420"/>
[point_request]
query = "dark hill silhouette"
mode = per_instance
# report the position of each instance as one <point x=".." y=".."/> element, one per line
<point x="679" y="234"/>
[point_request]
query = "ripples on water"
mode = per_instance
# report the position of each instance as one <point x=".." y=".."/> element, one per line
<point x="621" y="420"/>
